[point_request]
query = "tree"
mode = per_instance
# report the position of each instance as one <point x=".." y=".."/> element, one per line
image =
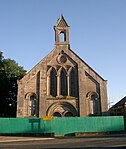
<point x="10" y="72"/>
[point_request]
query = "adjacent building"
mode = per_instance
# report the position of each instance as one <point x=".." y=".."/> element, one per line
<point x="119" y="108"/>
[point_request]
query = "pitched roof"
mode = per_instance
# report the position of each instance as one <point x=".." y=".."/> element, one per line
<point x="61" y="22"/>
<point x="119" y="103"/>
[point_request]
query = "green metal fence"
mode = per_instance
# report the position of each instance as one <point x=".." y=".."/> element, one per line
<point x="61" y="125"/>
<point x="88" y="124"/>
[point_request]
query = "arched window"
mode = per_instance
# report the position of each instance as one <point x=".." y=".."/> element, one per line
<point x="62" y="37"/>
<point x="94" y="104"/>
<point x="63" y="81"/>
<point x="32" y="105"/>
<point x="73" y="84"/>
<point x="53" y="82"/>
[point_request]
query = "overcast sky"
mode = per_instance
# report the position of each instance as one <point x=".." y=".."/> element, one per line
<point x="97" y="35"/>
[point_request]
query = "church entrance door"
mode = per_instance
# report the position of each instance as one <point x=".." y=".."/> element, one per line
<point x="61" y="109"/>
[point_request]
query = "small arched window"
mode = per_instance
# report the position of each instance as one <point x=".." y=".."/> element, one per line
<point x="94" y="104"/>
<point x="73" y="84"/>
<point x="53" y="82"/>
<point x="63" y="81"/>
<point x="32" y="105"/>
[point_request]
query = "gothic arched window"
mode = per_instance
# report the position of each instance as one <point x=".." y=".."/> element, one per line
<point x="63" y="81"/>
<point x="73" y="84"/>
<point x="53" y="82"/>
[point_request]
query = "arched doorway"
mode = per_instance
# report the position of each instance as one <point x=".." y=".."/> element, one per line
<point x="62" y="109"/>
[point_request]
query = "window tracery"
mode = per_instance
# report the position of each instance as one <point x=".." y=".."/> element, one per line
<point x="62" y="82"/>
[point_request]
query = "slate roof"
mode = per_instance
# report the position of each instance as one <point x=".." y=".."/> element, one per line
<point x="119" y="103"/>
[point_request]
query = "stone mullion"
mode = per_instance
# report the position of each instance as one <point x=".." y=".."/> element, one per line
<point x="68" y="85"/>
<point x="48" y="85"/>
<point x="58" y="85"/>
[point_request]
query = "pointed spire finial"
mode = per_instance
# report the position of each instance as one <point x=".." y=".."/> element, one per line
<point x="61" y="22"/>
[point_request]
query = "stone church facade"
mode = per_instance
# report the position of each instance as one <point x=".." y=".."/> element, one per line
<point x="61" y="84"/>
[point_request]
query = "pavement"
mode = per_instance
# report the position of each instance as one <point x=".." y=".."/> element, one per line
<point x="21" y="139"/>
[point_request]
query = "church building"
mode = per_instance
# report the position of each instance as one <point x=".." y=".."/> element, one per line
<point x="62" y="84"/>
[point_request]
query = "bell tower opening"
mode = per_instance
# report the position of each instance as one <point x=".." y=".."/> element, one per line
<point x="62" y="37"/>
<point x="61" y="32"/>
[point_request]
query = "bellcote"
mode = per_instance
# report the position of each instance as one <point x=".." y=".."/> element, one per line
<point x="61" y="32"/>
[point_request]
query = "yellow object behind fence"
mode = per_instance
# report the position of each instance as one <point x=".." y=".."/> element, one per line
<point x="46" y="118"/>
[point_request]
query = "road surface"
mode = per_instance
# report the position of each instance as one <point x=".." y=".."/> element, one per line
<point x="103" y="142"/>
